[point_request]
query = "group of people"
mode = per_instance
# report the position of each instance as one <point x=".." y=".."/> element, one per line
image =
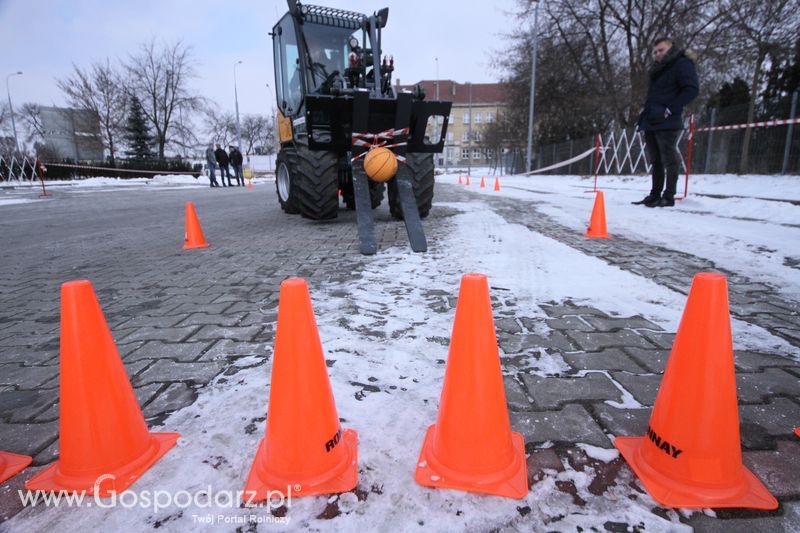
<point x="219" y="157"/>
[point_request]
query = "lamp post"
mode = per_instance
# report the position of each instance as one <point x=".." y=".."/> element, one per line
<point x="436" y="95"/>
<point x="11" y="109"/>
<point x="535" y="37"/>
<point x="236" y="99"/>
<point x="469" y="133"/>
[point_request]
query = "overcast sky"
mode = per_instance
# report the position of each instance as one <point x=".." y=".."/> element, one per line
<point x="44" y="38"/>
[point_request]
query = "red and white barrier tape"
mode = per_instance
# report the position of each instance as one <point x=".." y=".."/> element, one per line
<point x="578" y="157"/>
<point x="781" y="122"/>
<point x="379" y="140"/>
<point x="162" y="172"/>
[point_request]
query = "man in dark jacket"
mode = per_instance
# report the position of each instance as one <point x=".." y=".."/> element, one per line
<point x="211" y="162"/>
<point x="673" y="84"/>
<point x="236" y="163"/>
<point x="223" y="161"/>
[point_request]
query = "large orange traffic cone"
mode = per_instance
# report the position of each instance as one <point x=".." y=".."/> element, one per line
<point x="483" y="183"/>
<point x="11" y="464"/>
<point x="597" y="225"/>
<point x="459" y="180"/>
<point x="497" y="184"/>
<point x="104" y="442"/>
<point x="471" y="447"/>
<point x="194" y="234"/>
<point x="305" y="451"/>
<point x="797" y="432"/>
<point x="691" y="455"/>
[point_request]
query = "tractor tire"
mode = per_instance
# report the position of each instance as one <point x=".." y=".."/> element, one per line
<point x="286" y="180"/>
<point x="376" y="190"/>
<point x="422" y="180"/>
<point x="317" y="184"/>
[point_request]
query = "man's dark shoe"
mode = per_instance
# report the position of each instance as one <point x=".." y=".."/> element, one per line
<point x="654" y="202"/>
<point x="666" y="202"/>
<point x="647" y="199"/>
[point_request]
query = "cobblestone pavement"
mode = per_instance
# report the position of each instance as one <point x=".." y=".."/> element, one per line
<point x="180" y="322"/>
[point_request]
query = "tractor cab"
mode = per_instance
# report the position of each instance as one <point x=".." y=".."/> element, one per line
<point x="324" y="51"/>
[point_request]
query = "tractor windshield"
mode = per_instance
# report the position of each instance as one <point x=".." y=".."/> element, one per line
<point x="328" y="53"/>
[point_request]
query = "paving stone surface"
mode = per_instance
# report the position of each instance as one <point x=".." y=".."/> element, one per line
<point x="182" y="319"/>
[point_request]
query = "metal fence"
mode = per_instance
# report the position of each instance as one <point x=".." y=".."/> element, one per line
<point x="774" y="149"/>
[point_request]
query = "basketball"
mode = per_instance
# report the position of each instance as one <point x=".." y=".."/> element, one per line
<point x="380" y="164"/>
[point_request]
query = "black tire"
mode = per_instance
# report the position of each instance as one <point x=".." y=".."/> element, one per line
<point x="376" y="190"/>
<point x="317" y="184"/>
<point x="420" y="167"/>
<point x="286" y="180"/>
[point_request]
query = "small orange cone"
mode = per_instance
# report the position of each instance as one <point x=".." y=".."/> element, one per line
<point x="459" y="181"/>
<point x="304" y="451"/>
<point x="691" y="456"/>
<point x="104" y="442"/>
<point x="483" y="183"/>
<point x="497" y="184"/>
<point x="467" y="180"/>
<point x="249" y="184"/>
<point x="194" y="234"/>
<point x="597" y="225"/>
<point x="11" y="464"/>
<point x="471" y="447"/>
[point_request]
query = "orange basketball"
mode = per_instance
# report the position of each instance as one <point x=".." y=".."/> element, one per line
<point x="380" y="164"/>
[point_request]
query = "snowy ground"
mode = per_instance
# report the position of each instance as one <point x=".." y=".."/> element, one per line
<point x="391" y="301"/>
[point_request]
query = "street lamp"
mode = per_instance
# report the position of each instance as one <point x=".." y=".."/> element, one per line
<point x="469" y="133"/>
<point x="11" y="109"/>
<point x="436" y="124"/>
<point x="236" y="97"/>
<point x="535" y="36"/>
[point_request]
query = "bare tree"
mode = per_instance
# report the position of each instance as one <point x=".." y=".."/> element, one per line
<point x="31" y="119"/>
<point x="161" y="76"/>
<point x="765" y="30"/>
<point x="221" y="125"/>
<point x="258" y="131"/>
<point x="99" y="89"/>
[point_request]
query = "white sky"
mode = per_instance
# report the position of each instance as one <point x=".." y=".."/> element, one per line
<point x="44" y="38"/>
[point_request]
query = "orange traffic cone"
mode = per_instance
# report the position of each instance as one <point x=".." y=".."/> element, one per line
<point x="305" y="451"/>
<point x="597" y="225"/>
<point x="249" y="184"/>
<point x="497" y="184"/>
<point x="467" y="180"/>
<point x="11" y="464"/>
<point x="459" y="181"/>
<point x="104" y="442"/>
<point x="691" y="455"/>
<point x="471" y="447"/>
<point x="194" y="234"/>
<point x="483" y="183"/>
<point x="797" y="432"/>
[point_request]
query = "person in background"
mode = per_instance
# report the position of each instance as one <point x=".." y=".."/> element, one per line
<point x="223" y="161"/>
<point x="673" y="84"/>
<point x="211" y="162"/>
<point x="236" y="163"/>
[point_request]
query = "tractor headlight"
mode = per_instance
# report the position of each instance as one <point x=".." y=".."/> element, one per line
<point x="353" y="42"/>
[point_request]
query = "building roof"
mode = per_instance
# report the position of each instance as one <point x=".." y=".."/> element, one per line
<point x="458" y="93"/>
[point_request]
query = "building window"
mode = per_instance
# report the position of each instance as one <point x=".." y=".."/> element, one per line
<point x="466" y="118"/>
<point x="476" y="153"/>
<point x="489" y="117"/>
<point x="477" y="136"/>
<point x="465" y="153"/>
<point x="450" y="118"/>
<point x="477" y="118"/>
<point x="449" y="136"/>
<point x="465" y="136"/>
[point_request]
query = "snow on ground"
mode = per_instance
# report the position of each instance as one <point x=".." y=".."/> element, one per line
<point x="386" y="335"/>
<point x="747" y="233"/>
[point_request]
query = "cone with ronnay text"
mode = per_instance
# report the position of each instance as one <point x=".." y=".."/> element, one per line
<point x="304" y="451"/>
<point x="691" y="455"/>
<point x="471" y="447"/>
<point x="194" y="234"/>
<point x="496" y="184"/>
<point x="597" y="225"/>
<point x="104" y="443"/>
<point x="11" y="464"/>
